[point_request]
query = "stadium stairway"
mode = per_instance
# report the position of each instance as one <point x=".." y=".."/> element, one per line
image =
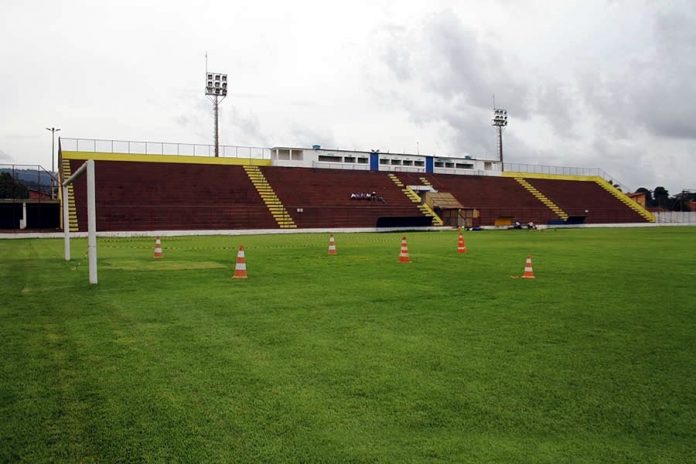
<point x="273" y="203"/>
<point x="72" y="211"/>
<point x="542" y="198"/>
<point x="415" y="198"/>
<point x="623" y="198"/>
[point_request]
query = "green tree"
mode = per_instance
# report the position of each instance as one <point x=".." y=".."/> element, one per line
<point x="680" y="201"/>
<point x="10" y="188"/>
<point x="662" y="197"/>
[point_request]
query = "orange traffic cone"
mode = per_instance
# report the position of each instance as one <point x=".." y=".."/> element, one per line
<point x="158" y="248"/>
<point x="461" y="246"/>
<point x="332" y="245"/>
<point x="240" y="267"/>
<point x="528" y="271"/>
<point x="403" y="256"/>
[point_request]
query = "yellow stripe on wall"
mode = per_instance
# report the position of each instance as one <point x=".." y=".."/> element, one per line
<point x="181" y="159"/>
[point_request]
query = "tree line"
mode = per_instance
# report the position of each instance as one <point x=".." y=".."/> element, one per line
<point x="660" y="198"/>
<point x="11" y="188"/>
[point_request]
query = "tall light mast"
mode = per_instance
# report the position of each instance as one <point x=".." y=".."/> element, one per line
<point x="216" y="90"/>
<point x="500" y="120"/>
<point x="53" y="131"/>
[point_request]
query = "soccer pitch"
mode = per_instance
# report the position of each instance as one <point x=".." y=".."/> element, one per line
<point x="354" y="357"/>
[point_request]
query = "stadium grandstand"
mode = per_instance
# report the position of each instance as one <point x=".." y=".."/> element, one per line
<point x="145" y="186"/>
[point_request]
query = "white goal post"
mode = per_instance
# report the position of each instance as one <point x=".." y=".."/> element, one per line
<point x="91" y="218"/>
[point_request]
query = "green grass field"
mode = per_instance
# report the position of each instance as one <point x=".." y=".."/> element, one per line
<point x="355" y="357"/>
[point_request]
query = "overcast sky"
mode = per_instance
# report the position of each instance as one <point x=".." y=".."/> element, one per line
<point x="606" y="84"/>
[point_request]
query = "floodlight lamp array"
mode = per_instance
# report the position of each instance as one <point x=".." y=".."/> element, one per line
<point x="216" y="84"/>
<point x="500" y="117"/>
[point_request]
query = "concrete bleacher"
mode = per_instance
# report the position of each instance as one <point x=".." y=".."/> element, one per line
<point x="586" y="199"/>
<point x="494" y="197"/>
<point x="169" y="196"/>
<point x="145" y="196"/>
<point x="322" y="197"/>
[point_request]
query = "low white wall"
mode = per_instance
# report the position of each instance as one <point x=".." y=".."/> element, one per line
<point x="184" y="233"/>
<point x="178" y="233"/>
<point x="676" y="217"/>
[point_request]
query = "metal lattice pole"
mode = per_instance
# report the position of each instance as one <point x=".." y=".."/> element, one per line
<point x="500" y="120"/>
<point x="500" y="148"/>
<point x="217" y="136"/>
<point x="216" y="90"/>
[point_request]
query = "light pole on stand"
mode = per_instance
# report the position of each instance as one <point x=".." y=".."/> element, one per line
<point x="53" y="156"/>
<point x="216" y="89"/>
<point x="500" y="120"/>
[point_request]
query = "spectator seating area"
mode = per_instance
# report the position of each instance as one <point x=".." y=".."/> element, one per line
<point x="586" y="199"/>
<point x="168" y="196"/>
<point x="494" y="197"/>
<point x="140" y="196"/>
<point x="322" y="197"/>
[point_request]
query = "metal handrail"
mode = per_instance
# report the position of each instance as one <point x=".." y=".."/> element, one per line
<point x="12" y="167"/>
<point x="142" y="147"/>
<point x="240" y="151"/>
<point x="565" y="170"/>
<point x="38" y="167"/>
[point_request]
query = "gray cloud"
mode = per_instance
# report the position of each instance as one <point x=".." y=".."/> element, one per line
<point x="645" y="122"/>
<point x="654" y="88"/>
<point x="5" y="156"/>
<point x="397" y="58"/>
<point x="183" y="120"/>
<point x="449" y="74"/>
<point x="195" y="115"/>
<point x="670" y="91"/>
<point x="236" y="127"/>
<point x="246" y="128"/>
<point x="306" y="136"/>
<point x="557" y="103"/>
<point x="620" y="114"/>
<point x="453" y="61"/>
<point x="459" y="63"/>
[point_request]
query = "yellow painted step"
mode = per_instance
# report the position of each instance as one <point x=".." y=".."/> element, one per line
<point x="623" y="198"/>
<point x="542" y="198"/>
<point x="269" y="197"/>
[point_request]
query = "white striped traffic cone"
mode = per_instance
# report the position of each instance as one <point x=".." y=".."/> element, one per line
<point x="403" y="256"/>
<point x="158" y="248"/>
<point x="332" y="245"/>
<point x="528" y="271"/>
<point x="240" y="271"/>
<point x="461" y="245"/>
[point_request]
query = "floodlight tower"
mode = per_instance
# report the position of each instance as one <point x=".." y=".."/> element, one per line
<point x="53" y="131"/>
<point x="500" y="120"/>
<point x="216" y="90"/>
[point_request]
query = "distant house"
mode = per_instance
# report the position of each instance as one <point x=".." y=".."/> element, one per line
<point x="38" y="195"/>
<point x="638" y="197"/>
